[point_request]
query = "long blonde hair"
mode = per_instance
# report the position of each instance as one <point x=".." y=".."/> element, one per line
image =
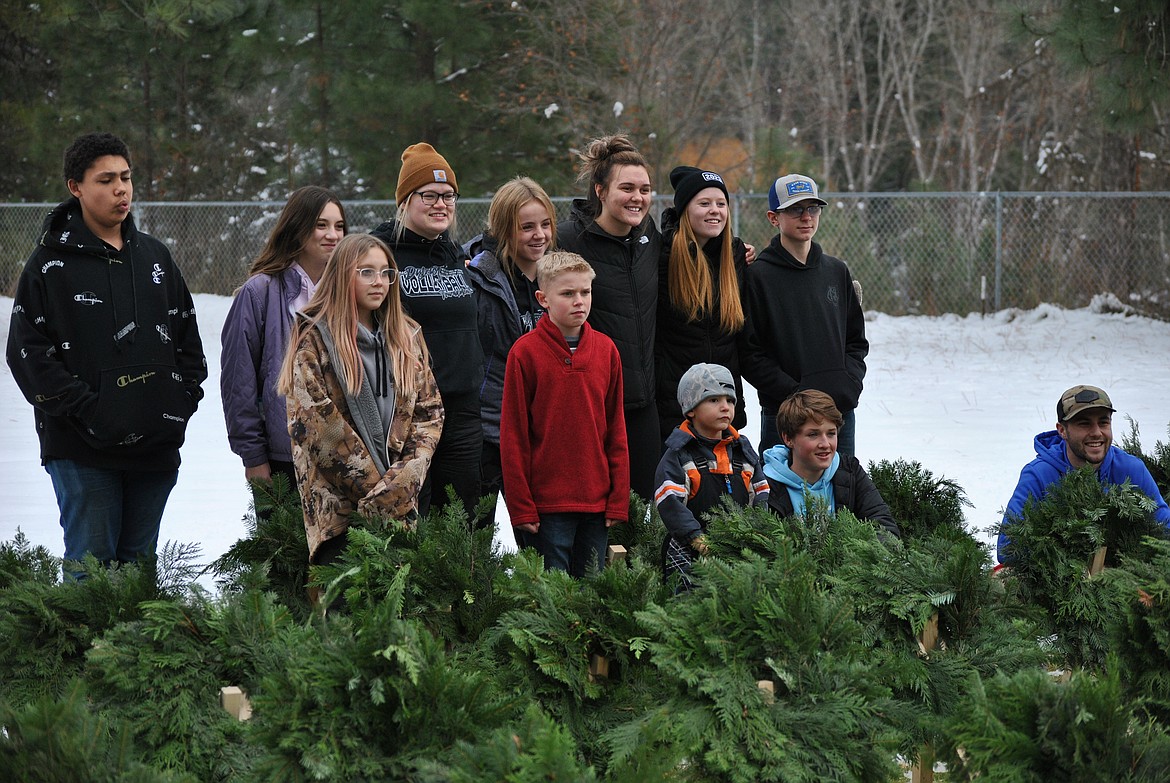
<point x="335" y="304"/>
<point x="689" y="278"/>
<point x="503" y="218"/>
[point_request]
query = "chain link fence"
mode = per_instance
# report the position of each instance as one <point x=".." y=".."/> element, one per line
<point x="915" y="253"/>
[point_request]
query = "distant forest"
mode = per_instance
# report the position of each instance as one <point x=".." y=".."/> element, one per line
<point x="247" y="99"/>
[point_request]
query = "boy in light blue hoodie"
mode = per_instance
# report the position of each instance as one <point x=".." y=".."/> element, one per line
<point x="808" y="465"/>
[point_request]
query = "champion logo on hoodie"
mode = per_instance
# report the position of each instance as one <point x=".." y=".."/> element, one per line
<point x="88" y="298"/>
<point x="156" y="274"/>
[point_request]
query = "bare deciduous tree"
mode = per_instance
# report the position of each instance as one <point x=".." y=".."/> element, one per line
<point x="649" y="68"/>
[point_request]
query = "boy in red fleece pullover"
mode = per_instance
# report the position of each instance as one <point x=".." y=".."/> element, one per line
<point x="562" y="428"/>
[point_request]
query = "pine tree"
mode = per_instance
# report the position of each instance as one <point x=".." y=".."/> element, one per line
<point x="921" y="503"/>
<point x="453" y="567"/>
<point x="829" y="713"/>
<point x="796" y="657"/>
<point x="365" y="695"/>
<point x="534" y="749"/>
<point x="46" y="626"/>
<point x="275" y="553"/>
<point x="160" y="676"/>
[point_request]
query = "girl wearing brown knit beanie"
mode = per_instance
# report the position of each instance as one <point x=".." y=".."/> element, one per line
<point x="436" y="293"/>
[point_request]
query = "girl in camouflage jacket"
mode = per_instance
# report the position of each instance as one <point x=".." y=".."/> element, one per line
<point x="364" y="413"/>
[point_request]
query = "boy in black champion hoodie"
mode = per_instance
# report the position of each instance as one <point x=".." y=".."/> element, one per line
<point x="103" y="343"/>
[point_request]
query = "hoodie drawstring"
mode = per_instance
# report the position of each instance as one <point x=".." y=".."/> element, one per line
<point x="130" y="330"/>
<point x="381" y="383"/>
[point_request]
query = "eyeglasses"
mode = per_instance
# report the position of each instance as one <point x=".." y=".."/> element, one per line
<point x="368" y="274"/>
<point x="429" y="197"/>
<point x="812" y="209"/>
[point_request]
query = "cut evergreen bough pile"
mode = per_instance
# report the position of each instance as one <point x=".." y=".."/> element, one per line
<point x="800" y="656"/>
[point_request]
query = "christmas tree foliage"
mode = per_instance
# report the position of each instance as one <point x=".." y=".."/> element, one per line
<point x="825" y="709"/>
<point x="1140" y="635"/>
<point x="1028" y="727"/>
<point x="1157" y="461"/>
<point x="275" y="546"/>
<point x="811" y="648"/>
<point x="62" y="740"/>
<point x="921" y="503"/>
<point x="1051" y="546"/>
<point x="47" y="626"/>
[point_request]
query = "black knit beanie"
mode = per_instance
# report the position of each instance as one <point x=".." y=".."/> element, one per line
<point x="688" y="181"/>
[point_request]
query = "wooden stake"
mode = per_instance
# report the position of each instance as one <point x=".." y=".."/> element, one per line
<point x="767" y="690"/>
<point x="615" y="554"/>
<point x="929" y="636"/>
<point x="923" y="771"/>
<point x="1096" y="563"/>
<point x="598" y="668"/>
<point x="233" y="699"/>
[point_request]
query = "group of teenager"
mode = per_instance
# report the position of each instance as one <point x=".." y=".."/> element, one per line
<point x="392" y="373"/>
<point x="544" y="360"/>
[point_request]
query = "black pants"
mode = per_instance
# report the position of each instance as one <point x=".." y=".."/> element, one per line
<point x="457" y="459"/>
<point x="645" y="448"/>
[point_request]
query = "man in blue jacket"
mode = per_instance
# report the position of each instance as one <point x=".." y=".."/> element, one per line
<point x="1083" y="436"/>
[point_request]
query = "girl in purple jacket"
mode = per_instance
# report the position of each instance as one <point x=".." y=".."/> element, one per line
<point x="255" y="334"/>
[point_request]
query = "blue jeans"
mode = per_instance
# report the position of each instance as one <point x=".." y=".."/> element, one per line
<point x="112" y="514"/>
<point x="846" y="436"/>
<point x="571" y="542"/>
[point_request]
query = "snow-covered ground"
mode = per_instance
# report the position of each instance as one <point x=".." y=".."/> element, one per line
<point x="963" y="396"/>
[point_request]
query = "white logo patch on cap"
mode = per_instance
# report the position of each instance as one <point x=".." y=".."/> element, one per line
<point x="711" y="176"/>
<point x="439" y="174"/>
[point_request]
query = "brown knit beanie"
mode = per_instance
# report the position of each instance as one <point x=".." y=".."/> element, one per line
<point x="421" y="165"/>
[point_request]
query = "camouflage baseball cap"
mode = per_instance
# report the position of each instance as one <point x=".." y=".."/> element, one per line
<point x="702" y="382"/>
<point x="1081" y="398"/>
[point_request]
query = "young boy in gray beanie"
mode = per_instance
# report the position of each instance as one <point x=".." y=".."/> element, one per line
<point x="706" y="460"/>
